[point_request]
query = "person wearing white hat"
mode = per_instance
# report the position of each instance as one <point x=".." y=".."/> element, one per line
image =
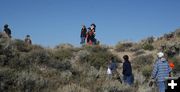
<point x="161" y="70"/>
<point x="160" y="54"/>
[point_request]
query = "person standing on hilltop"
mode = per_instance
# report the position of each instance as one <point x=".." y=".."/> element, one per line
<point x="127" y="71"/>
<point x="83" y="34"/>
<point x="89" y="36"/>
<point x="160" y="71"/>
<point x="93" y="27"/>
<point x="93" y="30"/>
<point x="7" y="30"/>
<point x="28" y="40"/>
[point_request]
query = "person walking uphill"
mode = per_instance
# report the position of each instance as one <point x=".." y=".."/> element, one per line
<point x="113" y="65"/>
<point x="127" y="71"/>
<point x="161" y="70"/>
<point x="7" y="30"/>
<point x="112" y="68"/>
<point x="83" y="34"/>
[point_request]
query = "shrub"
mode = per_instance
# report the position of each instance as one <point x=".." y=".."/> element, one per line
<point x="139" y="52"/>
<point x="25" y="61"/>
<point x="136" y="47"/>
<point x="62" y="54"/>
<point x="21" y="46"/>
<point x="147" y="46"/>
<point x="123" y="46"/>
<point x="177" y="32"/>
<point x="141" y="61"/>
<point x="98" y="56"/>
<point x="95" y="48"/>
<point x="7" y="80"/>
<point x="4" y="41"/>
<point x="36" y="47"/>
<point x="176" y="61"/>
<point x="146" y="71"/>
<point x="38" y="56"/>
<point x="64" y="46"/>
<point x="60" y="65"/>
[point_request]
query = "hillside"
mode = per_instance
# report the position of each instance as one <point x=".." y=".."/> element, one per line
<point x="65" y="68"/>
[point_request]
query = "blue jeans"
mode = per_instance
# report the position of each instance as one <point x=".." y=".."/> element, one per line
<point x="162" y="86"/>
<point x="128" y="79"/>
<point x="83" y="40"/>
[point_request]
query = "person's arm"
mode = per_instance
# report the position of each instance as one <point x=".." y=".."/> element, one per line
<point x="111" y="66"/>
<point x="10" y="31"/>
<point x="169" y="70"/>
<point x="81" y="33"/>
<point x="124" y="68"/>
<point x="155" y="71"/>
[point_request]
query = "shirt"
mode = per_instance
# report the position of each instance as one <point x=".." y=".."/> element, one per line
<point x="161" y="70"/>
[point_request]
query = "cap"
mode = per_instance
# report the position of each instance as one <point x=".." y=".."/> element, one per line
<point x="160" y="54"/>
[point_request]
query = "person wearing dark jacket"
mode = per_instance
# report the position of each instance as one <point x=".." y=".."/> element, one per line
<point x="7" y="30"/>
<point x="83" y="34"/>
<point x="93" y="29"/>
<point x="127" y="71"/>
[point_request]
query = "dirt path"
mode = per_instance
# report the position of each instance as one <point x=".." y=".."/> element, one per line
<point x="121" y="54"/>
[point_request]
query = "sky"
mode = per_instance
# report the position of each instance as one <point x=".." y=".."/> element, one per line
<point x="54" y="22"/>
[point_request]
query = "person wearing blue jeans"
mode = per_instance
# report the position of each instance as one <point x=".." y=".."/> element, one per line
<point x="127" y="71"/>
<point x="161" y="70"/>
<point x="162" y="86"/>
<point x="83" y="39"/>
<point x="128" y="79"/>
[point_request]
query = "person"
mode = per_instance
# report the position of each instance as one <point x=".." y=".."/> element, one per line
<point x="161" y="70"/>
<point x="109" y="72"/>
<point x="112" y="69"/>
<point x="28" y="40"/>
<point x="93" y="30"/>
<point x="4" y="40"/>
<point x="93" y="27"/>
<point x="113" y="66"/>
<point x="171" y="65"/>
<point x="89" y="37"/>
<point x="127" y="71"/>
<point x="83" y="34"/>
<point x="7" y="30"/>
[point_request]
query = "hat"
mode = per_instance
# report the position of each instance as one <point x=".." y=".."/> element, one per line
<point x="27" y="35"/>
<point x="6" y="25"/>
<point x="160" y="54"/>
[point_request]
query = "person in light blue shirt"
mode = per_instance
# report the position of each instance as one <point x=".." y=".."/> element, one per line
<point x="161" y="70"/>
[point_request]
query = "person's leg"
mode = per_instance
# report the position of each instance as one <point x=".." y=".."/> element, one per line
<point x="84" y="39"/>
<point x="125" y="79"/>
<point x="161" y="86"/>
<point x="129" y="80"/>
<point x="109" y="76"/>
<point x="81" y="40"/>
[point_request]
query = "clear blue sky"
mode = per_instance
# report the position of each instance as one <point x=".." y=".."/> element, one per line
<point x="51" y="22"/>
